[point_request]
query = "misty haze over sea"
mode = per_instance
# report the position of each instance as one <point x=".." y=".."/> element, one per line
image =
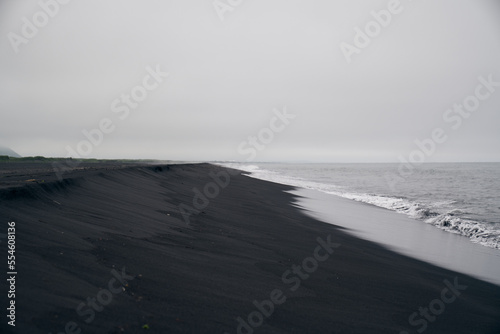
<point x="232" y="166"/>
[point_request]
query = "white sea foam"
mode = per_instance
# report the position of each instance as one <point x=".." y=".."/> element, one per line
<point x="430" y="213"/>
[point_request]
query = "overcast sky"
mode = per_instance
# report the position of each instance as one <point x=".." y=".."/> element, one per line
<point x="227" y="76"/>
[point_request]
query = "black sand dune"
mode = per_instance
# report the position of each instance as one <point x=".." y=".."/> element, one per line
<point x="107" y="251"/>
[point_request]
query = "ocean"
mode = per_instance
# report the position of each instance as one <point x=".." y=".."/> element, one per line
<point x="460" y="198"/>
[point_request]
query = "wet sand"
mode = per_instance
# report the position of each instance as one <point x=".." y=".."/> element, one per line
<point x="404" y="235"/>
<point x="107" y="250"/>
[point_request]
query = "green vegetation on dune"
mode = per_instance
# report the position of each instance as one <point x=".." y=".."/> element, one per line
<point x="6" y="158"/>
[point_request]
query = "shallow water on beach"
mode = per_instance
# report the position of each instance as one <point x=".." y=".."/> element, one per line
<point x="402" y="234"/>
<point x="460" y="198"/>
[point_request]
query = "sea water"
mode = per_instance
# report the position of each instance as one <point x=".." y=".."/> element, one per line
<point x="460" y="198"/>
<point x="444" y="214"/>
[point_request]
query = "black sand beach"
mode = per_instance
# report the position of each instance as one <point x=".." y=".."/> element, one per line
<point x="107" y="250"/>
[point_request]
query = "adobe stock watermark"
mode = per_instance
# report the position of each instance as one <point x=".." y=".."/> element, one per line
<point x="222" y="7"/>
<point x="249" y="147"/>
<point x="87" y="309"/>
<point x="293" y="278"/>
<point x="436" y="307"/>
<point x="363" y="37"/>
<point x="122" y="107"/>
<point x="455" y="116"/>
<point x="30" y="28"/>
<point x="265" y="136"/>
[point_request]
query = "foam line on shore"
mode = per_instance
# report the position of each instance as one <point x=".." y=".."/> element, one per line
<point x="204" y="276"/>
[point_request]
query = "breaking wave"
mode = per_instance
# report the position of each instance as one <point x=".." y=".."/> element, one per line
<point x="442" y="215"/>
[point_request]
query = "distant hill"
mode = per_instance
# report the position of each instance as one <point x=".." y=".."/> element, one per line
<point x="7" y="151"/>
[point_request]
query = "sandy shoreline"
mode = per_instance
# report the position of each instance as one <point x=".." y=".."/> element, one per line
<point x="404" y="235"/>
<point x="108" y="251"/>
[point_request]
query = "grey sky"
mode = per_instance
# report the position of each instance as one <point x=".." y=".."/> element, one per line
<point x="226" y="77"/>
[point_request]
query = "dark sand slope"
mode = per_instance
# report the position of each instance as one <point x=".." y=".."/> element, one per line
<point x="200" y="278"/>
